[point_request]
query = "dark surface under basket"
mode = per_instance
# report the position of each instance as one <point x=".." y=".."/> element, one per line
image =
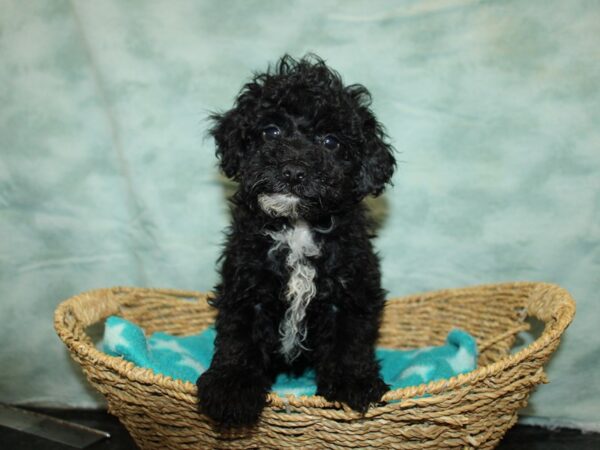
<point x="520" y="437"/>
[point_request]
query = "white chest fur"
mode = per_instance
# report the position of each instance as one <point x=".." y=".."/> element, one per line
<point x="298" y="240"/>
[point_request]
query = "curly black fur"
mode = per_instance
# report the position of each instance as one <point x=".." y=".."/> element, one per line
<point x="297" y="131"/>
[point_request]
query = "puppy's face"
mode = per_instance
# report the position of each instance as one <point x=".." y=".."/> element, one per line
<point x="301" y="144"/>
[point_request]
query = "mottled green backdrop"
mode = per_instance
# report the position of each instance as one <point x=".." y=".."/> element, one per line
<point x="106" y="178"/>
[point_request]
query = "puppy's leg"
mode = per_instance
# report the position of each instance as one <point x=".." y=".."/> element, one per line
<point x="233" y="390"/>
<point x="347" y="370"/>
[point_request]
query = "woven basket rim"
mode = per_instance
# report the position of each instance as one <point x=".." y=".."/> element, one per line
<point x="547" y="302"/>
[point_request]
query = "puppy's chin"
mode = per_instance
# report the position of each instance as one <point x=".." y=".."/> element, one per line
<point x="280" y="205"/>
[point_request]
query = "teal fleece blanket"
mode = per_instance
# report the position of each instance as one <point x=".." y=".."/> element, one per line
<point x="186" y="357"/>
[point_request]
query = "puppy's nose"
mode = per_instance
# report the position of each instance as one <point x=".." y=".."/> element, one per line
<point x="293" y="173"/>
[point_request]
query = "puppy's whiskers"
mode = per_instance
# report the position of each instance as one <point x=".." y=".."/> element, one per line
<point x="257" y="183"/>
<point x="327" y="230"/>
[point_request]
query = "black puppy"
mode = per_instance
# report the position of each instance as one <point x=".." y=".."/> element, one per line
<point x="300" y="283"/>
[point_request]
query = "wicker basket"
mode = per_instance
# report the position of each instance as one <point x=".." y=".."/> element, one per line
<point x="473" y="410"/>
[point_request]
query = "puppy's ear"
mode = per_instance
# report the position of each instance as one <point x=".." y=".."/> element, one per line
<point x="228" y="130"/>
<point x="378" y="163"/>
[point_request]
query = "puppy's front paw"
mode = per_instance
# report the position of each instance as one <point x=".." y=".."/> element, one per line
<point x="232" y="398"/>
<point x="358" y="392"/>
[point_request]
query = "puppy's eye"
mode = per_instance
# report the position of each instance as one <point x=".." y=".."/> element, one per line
<point x="271" y="132"/>
<point x="330" y="142"/>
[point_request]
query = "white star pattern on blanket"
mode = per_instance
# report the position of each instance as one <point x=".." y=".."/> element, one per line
<point x="113" y="337"/>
